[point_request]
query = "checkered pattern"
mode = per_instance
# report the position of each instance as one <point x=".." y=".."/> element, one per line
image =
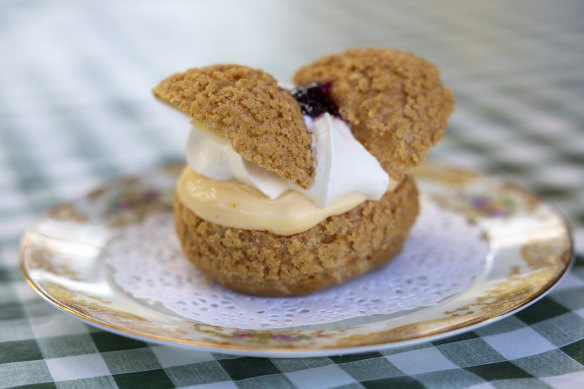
<point x="75" y="109"/>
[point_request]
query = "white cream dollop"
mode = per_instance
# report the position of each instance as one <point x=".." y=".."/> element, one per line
<point x="343" y="165"/>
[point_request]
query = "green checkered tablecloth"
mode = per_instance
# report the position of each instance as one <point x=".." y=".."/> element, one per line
<point x="76" y="109"/>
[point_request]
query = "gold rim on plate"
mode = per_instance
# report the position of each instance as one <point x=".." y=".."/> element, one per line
<point x="530" y="250"/>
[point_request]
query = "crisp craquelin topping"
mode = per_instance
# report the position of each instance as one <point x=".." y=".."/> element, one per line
<point x="262" y="121"/>
<point x="393" y="101"/>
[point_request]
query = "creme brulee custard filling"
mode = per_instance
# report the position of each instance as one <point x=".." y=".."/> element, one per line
<point x="238" y="205"/>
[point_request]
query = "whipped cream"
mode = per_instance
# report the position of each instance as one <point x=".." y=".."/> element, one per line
<point x="343" y="165"/>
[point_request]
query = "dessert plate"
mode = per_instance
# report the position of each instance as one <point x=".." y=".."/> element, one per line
<point x="63" y="258"/>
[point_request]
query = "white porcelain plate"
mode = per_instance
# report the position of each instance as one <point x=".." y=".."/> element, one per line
<point x="529" y="250"/>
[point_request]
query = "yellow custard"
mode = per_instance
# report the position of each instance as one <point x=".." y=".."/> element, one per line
<point x="238" y="205"/>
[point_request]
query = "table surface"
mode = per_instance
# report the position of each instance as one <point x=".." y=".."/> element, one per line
<point x="76" y="109"/>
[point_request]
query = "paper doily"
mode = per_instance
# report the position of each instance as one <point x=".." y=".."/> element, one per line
<point x="441" y="257"/>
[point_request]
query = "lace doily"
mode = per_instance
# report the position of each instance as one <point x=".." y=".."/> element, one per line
<point x="441" y="257"/>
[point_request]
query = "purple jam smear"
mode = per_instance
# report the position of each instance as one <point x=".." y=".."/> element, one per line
<point x="314" y="99"/>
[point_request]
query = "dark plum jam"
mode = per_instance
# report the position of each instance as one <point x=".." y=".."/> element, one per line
<point x="314" y="99"/>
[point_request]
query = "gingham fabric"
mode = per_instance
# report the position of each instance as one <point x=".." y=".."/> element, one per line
<point x="75" y="109"/>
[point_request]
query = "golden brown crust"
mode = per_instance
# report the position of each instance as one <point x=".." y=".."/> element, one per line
<point x="262" y="121"/>
<point x="394" y="101"/>
<point x="335" y="250"/>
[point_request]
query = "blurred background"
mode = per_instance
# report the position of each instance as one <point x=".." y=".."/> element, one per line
<point x="75" y="80"/>
<point x="76" y="109"/>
